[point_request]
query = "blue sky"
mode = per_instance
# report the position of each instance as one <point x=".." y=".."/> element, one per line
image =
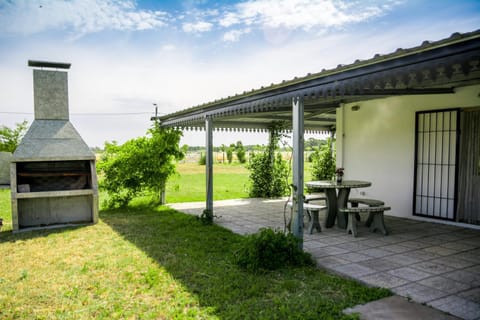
<point x="127" y="55"/>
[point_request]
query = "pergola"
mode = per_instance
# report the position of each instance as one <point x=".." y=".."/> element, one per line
<point x="309" y="103"/>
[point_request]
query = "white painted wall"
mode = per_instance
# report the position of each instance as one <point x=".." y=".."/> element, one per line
<point x="377" y="142"/>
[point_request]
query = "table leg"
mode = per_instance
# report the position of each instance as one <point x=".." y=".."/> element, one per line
<point x="342" y="218"/>
<point x="331" y="195"/>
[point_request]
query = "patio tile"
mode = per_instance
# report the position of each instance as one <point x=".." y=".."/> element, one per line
<point x="353" y="246"/>
<point x="418" y="292"/>
<point x="395" y="248"/>
<point x="383" y="280"/>
<point x="472" y="255"/>
<point x="454" y="262"/>
<point x="328" y="251"/>
<point x="373" y="243"/>
<point x="314" y="244"/>
<point x="409" y="274"/>
<point x="472" y="240"/>
<point x="430" y="240"/>
<point x="381" y="264"/>
<point x="472" y="294"/>
<point x="458" y="306"/>
<point x="355" y="257"/>
<point x="432" y="267"/>
<point x="444" y="284"/>
<point x="354" y="270"/>
<point x="375" y="253"/>
<point x="422" y="255"/>
<point x="458" y="246"/>
<point x="441" y="251"/>
<point x="474" y="269"/>
<point x="334" y="240"/>
<point x="331" y="262"/>
<point x="464" y="276"/>
<point x="415" y="244"/>
<point x="447" y="237"/>
<point x="404" y="259"/>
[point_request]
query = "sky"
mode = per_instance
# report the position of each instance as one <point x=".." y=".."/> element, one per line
<point x="128" y="55"/>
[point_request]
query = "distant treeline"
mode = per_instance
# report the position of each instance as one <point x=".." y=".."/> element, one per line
<point x="309" y="144"/>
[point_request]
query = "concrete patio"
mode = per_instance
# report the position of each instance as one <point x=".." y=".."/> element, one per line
<point x="431" y="263"/>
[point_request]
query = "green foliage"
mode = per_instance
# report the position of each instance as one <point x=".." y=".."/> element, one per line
<point x="323" y="162"/>
<point x="206" y="217"/>
<point x="271" y="250"/>
<point x="230" y="153"/>
<point x="10" y="138"/>
<point x="240" y="150"/>
<point x="203" y="159"/>
<point x="141" y="164"/>
<point x="268" y="171"/>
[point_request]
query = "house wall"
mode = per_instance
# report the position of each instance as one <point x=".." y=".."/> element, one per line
<point x="376" y="143"/>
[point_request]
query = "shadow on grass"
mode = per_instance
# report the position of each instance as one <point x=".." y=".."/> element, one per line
<point x="201" y="258"/>
<point x="7" y="235"/>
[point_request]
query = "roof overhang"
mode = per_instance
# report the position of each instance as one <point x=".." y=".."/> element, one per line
<point x="432" y="68"/>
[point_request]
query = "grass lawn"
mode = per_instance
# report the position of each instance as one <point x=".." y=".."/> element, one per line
<point x="155" y="263"/>
<point x="230" y="181"/>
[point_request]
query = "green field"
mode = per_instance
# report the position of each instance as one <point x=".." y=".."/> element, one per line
<point x="229" y="182"/>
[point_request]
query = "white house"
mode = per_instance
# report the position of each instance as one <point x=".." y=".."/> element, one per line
<point x="408" y="121"/>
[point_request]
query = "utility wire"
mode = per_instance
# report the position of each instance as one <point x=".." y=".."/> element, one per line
<point x="87" y="114"/>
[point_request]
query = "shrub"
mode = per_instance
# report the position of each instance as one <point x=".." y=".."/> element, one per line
<point x="141" y="164"/>
<point x="323" y="162"/>
<point x="240" y="152"/>
<point x="271" y="250"/>
<point x="268" y="171"/>
<point x="203" y="159"/>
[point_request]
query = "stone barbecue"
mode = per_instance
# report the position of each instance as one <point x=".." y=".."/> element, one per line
<point x="53" y="177"/>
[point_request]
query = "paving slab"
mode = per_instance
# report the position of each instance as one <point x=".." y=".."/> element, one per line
<point x="397" y="308"/>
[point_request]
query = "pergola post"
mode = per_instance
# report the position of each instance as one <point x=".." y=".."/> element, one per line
<point x="298" y="146"/>
<point x="209" y="162"/>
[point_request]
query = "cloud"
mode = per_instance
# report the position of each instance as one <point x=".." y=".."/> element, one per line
<point x="77" y="16"/>
<point x="234" y="35"/>
<point x="302" y="14"/>
<point x="200" y="26"/>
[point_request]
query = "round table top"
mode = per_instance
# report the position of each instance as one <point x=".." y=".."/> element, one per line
<point x="330" y="184"/>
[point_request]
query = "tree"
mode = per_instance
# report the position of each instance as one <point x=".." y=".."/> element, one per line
<point x="10" y="138"/>
<point x="230" y="150"/>
<point x="223" y="148"/>
<point x="141" y="164"/>
<point x="240" y="150"/>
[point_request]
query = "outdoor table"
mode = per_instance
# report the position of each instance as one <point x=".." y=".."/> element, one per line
<point x="334" y="202"/>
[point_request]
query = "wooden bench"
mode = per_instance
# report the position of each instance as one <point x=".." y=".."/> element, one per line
<point x="313" y="211"/>
<point x="377" y="220"/>
<point x="369" y="202"/>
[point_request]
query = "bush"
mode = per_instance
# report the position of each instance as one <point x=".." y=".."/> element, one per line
<point x="141" y="164"/>
<point x="240" y="152"/>
<point x="268" y="171"/>
<point x="203" y="159"/>
<point x="271" y="250"/>
<point x="323" y="162"/>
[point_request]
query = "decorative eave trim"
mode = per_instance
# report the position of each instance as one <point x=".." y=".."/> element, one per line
<point x="433" y="69"/>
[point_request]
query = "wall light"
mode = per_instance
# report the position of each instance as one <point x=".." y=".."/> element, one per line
<point x="355" y="108"/>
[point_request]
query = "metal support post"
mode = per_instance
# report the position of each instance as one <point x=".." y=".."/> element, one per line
<point x="298" y="146"/>
<point x="209" y="162"/>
